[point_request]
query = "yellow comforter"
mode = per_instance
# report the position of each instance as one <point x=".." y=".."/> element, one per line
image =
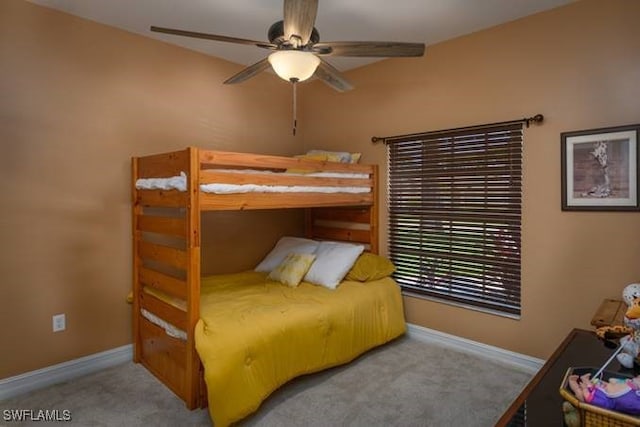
<point x="255" y="334"/>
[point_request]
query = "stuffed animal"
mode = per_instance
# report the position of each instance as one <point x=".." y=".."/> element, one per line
<point x="630" y="332"/>
<point x="571" y="415"/>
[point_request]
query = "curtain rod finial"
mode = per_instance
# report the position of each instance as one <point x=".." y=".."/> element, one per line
<point x="538" y="118"/>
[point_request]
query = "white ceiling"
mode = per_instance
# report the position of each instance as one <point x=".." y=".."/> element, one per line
<point x="428" y="21"/>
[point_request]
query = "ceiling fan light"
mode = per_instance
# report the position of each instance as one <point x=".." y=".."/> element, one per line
<point x="294" y="64"/>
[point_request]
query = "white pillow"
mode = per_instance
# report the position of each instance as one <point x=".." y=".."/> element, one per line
<point x="333" y="262"/>
<point x="284" y="247"/>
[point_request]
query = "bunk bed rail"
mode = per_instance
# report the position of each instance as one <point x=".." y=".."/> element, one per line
<point x="337" y="184"/>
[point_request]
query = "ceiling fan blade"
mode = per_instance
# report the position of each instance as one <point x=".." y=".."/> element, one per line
<point x="248" y="72"/>
<point x="215" y="37"/>
<point x="332" y="77"/>
<point x="299" y="18"/>
<point x="371" y="49"/>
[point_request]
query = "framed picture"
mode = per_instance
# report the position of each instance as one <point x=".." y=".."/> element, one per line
<point x="600" y="169"/>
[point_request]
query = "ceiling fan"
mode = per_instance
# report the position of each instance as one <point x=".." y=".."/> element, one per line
<point x="297" y="51"/>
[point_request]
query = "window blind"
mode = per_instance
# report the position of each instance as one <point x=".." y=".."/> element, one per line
<point x="455" y="214"/>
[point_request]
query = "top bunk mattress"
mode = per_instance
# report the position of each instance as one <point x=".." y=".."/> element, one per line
<point x="179" y="183"/>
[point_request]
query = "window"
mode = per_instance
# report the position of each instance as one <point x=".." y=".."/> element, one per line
<point x="455" y="212"/>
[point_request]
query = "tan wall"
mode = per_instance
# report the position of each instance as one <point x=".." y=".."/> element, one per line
<point x="77" y="100"/>
<point x="579" y="66"/>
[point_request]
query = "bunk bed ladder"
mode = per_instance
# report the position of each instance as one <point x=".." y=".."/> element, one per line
<point x="173" y="269"/>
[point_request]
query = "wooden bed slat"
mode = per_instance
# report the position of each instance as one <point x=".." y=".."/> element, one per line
<point x="164" y="356"/>
<point x="342" y="234"/>
<point x="167" y="312"/>
<point x="358" y="215"/>
<point x="280" y="200"/>
<point x="162" y="225"/>
<point x="163" y="165"/>
<point x="162" y="198"/>
<point x="164" y="254"/>
<point x="261" y="161"/>
<point x="208" y="177"/>
<point x="162" y="282"/>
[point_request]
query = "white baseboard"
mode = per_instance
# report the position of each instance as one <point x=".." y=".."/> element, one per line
<point x="29" y="381"/>
<point x="517" y="360"/>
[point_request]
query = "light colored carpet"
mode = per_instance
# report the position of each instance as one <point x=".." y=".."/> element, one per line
<point x="404" y="383"/>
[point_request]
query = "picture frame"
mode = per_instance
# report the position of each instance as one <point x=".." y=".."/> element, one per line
<point x="600" y="169"/>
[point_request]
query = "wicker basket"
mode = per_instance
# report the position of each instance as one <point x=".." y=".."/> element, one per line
<point x="594" y="416"/>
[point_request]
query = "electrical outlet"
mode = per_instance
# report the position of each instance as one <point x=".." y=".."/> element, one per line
<point x="59" y="322"/>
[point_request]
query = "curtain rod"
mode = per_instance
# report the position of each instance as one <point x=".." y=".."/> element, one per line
<point x="538" y="118"/>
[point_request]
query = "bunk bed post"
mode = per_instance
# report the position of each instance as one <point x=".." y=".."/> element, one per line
<point x="373" y="212"/>
<point x="194" y="397"/>
<point x="137" y="210"/>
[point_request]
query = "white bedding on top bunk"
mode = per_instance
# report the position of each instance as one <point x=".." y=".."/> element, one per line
<point x="180" y="183"/>
<point x="172" y="183"/>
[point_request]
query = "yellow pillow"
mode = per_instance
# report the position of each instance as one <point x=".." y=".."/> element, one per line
<point x="369" y="267"/>
<point x="326" y="156"/>
<point x="338" y="156"/>
<point x="292" y="269"/>
<point x="333" y="157"/>
<point x="323" y="157"/>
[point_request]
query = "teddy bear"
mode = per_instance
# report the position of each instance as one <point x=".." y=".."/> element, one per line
<point x="630" y="332"/>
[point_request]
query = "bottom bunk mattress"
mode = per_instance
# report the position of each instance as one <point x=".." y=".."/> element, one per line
<point x="255" y="334"/>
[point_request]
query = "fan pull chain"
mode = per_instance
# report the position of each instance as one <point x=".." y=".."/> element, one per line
<point x="294" y="81"/>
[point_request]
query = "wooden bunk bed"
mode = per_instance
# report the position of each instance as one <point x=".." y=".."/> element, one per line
<point x="174" y="269"/>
